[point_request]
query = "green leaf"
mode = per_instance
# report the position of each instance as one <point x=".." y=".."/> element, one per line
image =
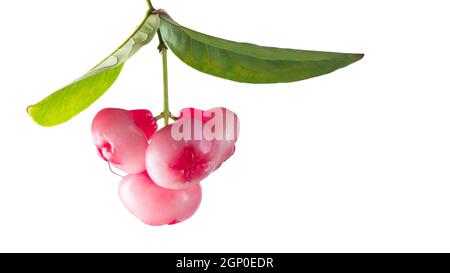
<point x="243" y="62"/>
<point x="69" y="101"/>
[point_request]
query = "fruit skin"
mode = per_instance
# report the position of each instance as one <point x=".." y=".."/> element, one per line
<point x="180" y="163"/>
<point x="227" y="145"/>
<point x="157" y="206"/>
<point x="122" y="136"/>
<point x="145" y="121"/>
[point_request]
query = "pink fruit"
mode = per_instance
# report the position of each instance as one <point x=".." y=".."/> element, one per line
<point x="157" y="206"/>
<point x="230" y="128"/>
<point x="122" y="137"/>
<point x="186" y="152"/>
<point x="230" y="133"/>
<point x="144" y="120"/>
<point x="178" y="164"/>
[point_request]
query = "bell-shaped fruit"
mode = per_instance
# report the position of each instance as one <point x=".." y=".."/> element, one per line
<point x="122" y="136"/>
<point x="157" y="206"/>
<point x="186" y="152"/>
<point x="177" y="164"/>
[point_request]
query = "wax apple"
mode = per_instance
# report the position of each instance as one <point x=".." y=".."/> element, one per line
<point x="157" y="206"/>
<point x="174" y="164"/>
<point x="186" y="152"/>
<point x="229" y="132"/>
<point x="222" y="123"/>
<point x="144" y="120"/>
<point x="122" y="136"/>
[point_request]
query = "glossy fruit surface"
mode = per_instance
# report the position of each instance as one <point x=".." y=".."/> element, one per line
<point x="157" y="206"/>
<point x="186" y="152"/>
<point x="145" y="121"/>
<point x="177" y="164"/>
<point x="121" y="137"/>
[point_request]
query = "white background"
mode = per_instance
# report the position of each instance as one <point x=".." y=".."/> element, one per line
<point x="357" y="160"/>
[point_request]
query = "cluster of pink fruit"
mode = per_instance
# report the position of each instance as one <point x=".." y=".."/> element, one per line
<point x="164" y="167"/>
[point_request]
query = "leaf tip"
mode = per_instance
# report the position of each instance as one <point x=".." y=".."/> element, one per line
<point x="30" y="113"/>
<point x="29" y="109"/>
<point x="358" y="56"/>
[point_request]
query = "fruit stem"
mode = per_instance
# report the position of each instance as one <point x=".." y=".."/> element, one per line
<point x="167" y="114"/>
<point x="150" y="6"/>
<point x="162" y="47"/>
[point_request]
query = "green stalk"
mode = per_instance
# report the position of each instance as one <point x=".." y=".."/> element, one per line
<point x="150" y="6"/>
<point x="166" y="112"/>
<point x="163" y="50"/>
